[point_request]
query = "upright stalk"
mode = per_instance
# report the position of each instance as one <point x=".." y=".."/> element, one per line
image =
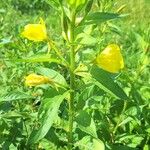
<point x="120" y="117"/>
<point x="72" y="81"/>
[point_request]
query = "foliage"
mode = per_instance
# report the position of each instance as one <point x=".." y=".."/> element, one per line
<point x="77" y="104"/>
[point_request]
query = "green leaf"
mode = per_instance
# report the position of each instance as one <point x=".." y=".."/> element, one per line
<point x="83" y="119"/>
<point x="12" y="147"/>
<point x="125" y="121"/>
<point x="105" y="82"/>
<point x="91" y="129"/>
<point x="146" y="147"/>
<point x="99" y="17"/>
<point x="86" y="39"/>
<point x="47" y="145"/>
<point x="15" y="95"/>
<point x="2" y="10"/>
<point x="47" y="115"/>
<point x="11" y="115"/>
<point x="88" y="6"/>
<point x="141" y="41"/>
<point x="88" y="55"/>
<point x="89" y="143"/>
<point x="121" y="147"/>
<point x="84" y="96"/>
<point x="38" y="58"/>
<point x="6" y="40"/>
<point x="54" y="75"/>
<point x="54" y="3"/>
<point x="134" y="139"/>
<point x="84" y="143"/>
<point x="98" y="144"/>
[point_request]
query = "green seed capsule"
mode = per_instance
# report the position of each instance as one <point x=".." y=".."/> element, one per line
<point x="76" y="3"/>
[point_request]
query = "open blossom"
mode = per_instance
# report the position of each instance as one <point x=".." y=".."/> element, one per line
<point x="35" y="32"/>
<point x="110" y="59"/>
<point x="34" y="80"/>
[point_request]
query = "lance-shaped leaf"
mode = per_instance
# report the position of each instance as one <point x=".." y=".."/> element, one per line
<point x="89" y="143"/>
<point x="38" y="58"/>
<point x="86" y="124"/>
<point x="99" y="17"/>
<point x="54" y="75"/>
<point x="15" y="95"/>
<point x="105" y="82"/>
<point x="47" y="115"/>
<point x="54" y="3"/>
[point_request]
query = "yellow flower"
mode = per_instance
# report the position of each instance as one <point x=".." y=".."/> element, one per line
<point x="34" y="80"/>
<point x="110" y="59"/>
<point x="35" y="32"/>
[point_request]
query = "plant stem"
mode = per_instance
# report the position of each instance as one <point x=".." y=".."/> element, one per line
<point x="72" y="82"/>
<point x="53" y="46"/>
<point x="120" y="117"/>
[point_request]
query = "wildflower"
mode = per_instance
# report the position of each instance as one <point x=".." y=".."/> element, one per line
<point x="35" y="32"/>
<point x="110" y="59"/>
<point x="34" y="80"/>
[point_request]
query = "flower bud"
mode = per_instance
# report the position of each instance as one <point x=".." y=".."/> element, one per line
<point x="34" y="80"/>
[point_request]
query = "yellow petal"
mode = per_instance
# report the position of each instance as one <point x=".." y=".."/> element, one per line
<point x="110" y="59"/>
<point x="35" y="32"/>
<point x="34" y="80"/>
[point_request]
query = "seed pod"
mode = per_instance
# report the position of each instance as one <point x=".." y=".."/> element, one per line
<point x="76" y="3"/>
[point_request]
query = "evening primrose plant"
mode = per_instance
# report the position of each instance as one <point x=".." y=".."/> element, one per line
<point x="76" y="77"/>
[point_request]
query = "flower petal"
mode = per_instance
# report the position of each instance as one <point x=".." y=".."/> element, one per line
<point x="35" y="32"/>
<point x="110" y="59"/>
<point x="34" y="80"/>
